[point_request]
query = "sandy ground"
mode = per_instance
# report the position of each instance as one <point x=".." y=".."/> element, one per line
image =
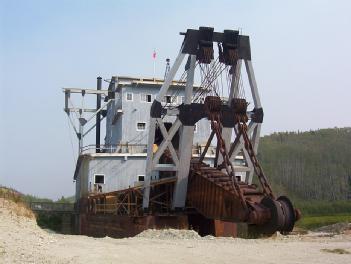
<point x="22" y="241"/>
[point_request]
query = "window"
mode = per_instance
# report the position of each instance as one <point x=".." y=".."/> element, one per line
<point x="141" y="126"/>
<point x="169" y="99"/>
<point x="141" y="178"/>
<point x="238" y="178"/>
<point x="129" y="97"/>
<point x="240" y="162"/>
<point x="146" y="98"/>
<point x="99" y="179"/>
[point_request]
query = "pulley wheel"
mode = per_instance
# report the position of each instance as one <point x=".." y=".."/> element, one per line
<point x="213" y="104"/>
<point x="289" y="214"/>
<point x="274" y="224"/>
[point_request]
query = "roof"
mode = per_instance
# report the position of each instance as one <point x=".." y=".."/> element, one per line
<point x="126" y="80"/>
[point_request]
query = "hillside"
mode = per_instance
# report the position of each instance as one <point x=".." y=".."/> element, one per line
<point x="314" y="165"/>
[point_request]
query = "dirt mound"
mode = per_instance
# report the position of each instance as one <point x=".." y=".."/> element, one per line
<point x="21" y="240"/>
<point x="18" y="209"/>
<point x="337" y="228"/>
<point x="12" y="202"/>
<point x="169" y="234"/>
<point x="16" y="215"/>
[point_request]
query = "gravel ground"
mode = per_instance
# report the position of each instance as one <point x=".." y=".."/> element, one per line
<point x="335" y="228"/>
<point x="22" y="241"/>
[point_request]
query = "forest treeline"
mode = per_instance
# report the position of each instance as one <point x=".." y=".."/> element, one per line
<point x="314" y="165"/>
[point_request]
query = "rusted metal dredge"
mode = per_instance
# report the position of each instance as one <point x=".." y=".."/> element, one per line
<point x="212" y="192"/>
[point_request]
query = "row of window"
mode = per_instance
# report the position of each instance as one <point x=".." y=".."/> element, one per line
<point x="147" y="98"/>
<point x="141" y="126"/>
<point x="100" y="178"/>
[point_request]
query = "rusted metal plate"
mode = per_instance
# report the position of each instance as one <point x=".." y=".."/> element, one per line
<point x="211" y="192"/>
<point x="100" y="225"/>
<point x="225" y="229"/>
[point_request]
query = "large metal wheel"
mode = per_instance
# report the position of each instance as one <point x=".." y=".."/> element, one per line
<point x="274" y="224"/>
<point x="289" y="215"/>
<point x="277" y="215"/>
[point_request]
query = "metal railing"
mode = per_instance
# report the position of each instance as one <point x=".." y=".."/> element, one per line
<point x="136" y="148"/>
<point x="142" y="148"/>
<point x="114" y="208"/>
<point x="51" y="207"/>
<point x="120" y="148"/>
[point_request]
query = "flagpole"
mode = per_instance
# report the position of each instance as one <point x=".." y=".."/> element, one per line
<point x="154" y="68"/>
<point x="154" y="58"/>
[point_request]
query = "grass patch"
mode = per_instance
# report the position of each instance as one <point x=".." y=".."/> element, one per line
<point x="312" y="222"/>
<point x="316" y="214"/>
<point x="336" y="251"/>
<point x="323" y="208"/>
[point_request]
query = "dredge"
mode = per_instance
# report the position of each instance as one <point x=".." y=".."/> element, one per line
<point x="179" y="189"/>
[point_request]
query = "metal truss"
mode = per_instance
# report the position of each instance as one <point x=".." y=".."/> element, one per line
<point x="81" y="121"/>
<point x="193" y="45"/>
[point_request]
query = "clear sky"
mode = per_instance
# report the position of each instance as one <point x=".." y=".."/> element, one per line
<point x="301" y="52"/>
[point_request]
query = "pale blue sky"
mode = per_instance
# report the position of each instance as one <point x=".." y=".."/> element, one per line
<point x="300" y="52"/>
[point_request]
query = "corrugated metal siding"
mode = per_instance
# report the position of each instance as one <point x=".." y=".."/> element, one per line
<point x="119" y="173"/>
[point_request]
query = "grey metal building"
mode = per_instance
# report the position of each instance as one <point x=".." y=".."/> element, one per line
<point x="121" y="160"/>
